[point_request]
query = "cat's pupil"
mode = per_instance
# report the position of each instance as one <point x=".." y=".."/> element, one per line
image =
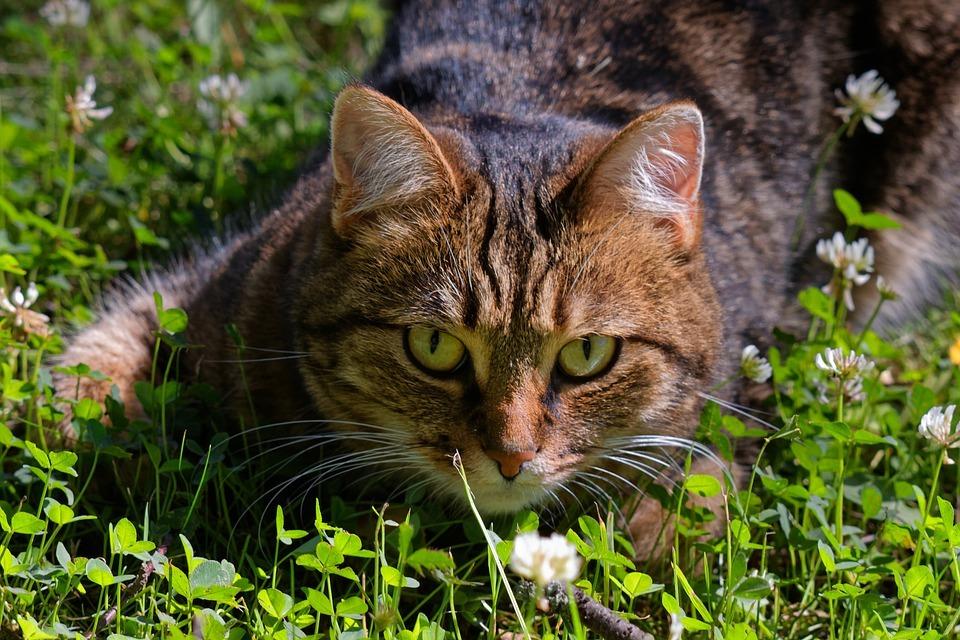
<point x="434" y="341"/>
<point x="586" y="348"/>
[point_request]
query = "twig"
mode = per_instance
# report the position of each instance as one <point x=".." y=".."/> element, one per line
<point x="604" y="622"/>
<point x="128" y="592"/>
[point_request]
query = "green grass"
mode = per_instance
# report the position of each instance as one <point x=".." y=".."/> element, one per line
<point x="171" y="527"/>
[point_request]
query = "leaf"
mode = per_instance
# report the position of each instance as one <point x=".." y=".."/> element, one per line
<point x="179" y="581"/>
<point x="753" y="588"/>
<point x="30" y="629"/>
<point x="63" y="556"/>
<point x="9" y="264"/>
<point x="350" y="544"/>
<point x="124" y="536"/>
<point x="320" y="603"/>
<point x="670" y="604"/>
<point x="691" y="594"/>
<point x="275" y="602"/>
<point x="877" y="221"/>
<point x="327" y="555"/>
<point x="99" y="573"/>
<point x="826" y="556"/>
<point x="917" y="580"/>
<point x="352" y="607"/>
<point x="871" y="500"/>
<point x="26" y="523"/>
<point x="430" y="559"/>
<point x="817" y="303"/>
<point x="58" y="513"/>
<point x="212" y="580"/>
<point x="391" y="576"/>
<point x="636" y="584"/>
<point x="38" y="454"/>
<point x="88" y="409"/>
<point x="63" y="462"/>
<point x="703" y="485"/>
<point x="847" y="205"/>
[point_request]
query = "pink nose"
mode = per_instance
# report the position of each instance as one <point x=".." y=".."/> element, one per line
<point x="510" y="462"/>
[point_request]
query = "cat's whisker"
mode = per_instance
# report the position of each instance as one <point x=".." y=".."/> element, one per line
<point x="616" y="476"/>
<point x="666" y="461"/>
<point x="738" y="409"/>
<point x="255" y="360"/>
<point x="318" y="439"/>
<point x="573" y="495"/>
<point x="586" y="476"/>
<point x="675" y="442"/>
<point x="311" y="421"/>
<point x="598" y="495"/>
<point x="265" y="350"/>
<point x="646" y="470"/>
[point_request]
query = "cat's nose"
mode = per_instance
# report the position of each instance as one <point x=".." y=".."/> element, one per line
<point x="510" y="462"/>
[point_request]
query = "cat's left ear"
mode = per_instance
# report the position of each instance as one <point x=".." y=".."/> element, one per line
<point x="652" y="168"/>
<point x="383" y="159"/>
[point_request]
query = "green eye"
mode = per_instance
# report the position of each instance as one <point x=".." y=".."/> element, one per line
<point x="435" y="350"/>
<point x="587" y="357"/>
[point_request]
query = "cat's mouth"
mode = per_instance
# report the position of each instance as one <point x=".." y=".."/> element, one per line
<point x="540" y="480"/>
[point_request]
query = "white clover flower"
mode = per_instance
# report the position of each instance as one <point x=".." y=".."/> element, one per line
<point x="544" y="560"/>
<point x="885" y="290"/>
<point x="753" y="366"/>
<point x="845" y="367"/>
<point x="220" y="103"/>
<point x="18" y="304"/>
<point x="82" y="108"/>
<point x="937" y="425"/>
<point x="676" y="627"/>
<point x="868" y="98"/>
<point x="73" y="13"/>
<point x="852" y="261"/>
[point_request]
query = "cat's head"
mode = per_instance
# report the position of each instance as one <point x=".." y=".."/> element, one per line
<point x="529" y="292"/>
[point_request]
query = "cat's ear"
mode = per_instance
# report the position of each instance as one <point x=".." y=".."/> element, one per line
<point x="382" y="157"/>
<point x="652" y="167"/>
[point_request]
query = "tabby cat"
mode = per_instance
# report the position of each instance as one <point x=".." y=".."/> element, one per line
<point x="545" y="227"/>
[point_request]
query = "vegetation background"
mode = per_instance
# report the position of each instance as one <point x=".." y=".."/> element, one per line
<point x="172" y="528"/>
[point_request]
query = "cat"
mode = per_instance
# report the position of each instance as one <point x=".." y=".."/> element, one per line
<point x="544" y="228"/>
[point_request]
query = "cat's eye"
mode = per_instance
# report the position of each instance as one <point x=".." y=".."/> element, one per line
<point x="587" y="357"/>
<point x="435" y="350"/>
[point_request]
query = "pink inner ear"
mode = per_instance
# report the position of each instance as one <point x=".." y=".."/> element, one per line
<point x="683" y="179"/>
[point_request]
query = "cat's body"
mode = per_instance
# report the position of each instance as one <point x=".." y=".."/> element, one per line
<point x="508" y="223"/>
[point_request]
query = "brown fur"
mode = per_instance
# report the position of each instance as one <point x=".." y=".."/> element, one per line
<point x="489" y="198"/>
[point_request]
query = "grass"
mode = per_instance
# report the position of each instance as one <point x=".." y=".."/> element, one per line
<point x="174" y="528"/>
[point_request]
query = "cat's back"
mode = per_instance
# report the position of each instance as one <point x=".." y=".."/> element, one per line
<point x="761" y="73"/>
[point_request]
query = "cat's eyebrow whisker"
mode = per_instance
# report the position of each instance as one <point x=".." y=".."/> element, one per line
<point x="737" y="408"/>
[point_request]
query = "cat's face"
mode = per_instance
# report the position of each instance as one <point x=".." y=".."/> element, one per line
<point x="529" y="309"/>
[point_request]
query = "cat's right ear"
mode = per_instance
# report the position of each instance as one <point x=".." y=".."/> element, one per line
<point x="652" y="169"/>
<point x="383" y="158"/>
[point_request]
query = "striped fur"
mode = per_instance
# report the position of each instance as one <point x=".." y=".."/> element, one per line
<point x="524" y="185"/>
